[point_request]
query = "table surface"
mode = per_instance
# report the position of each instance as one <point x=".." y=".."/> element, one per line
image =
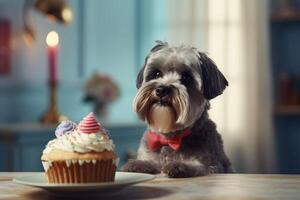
<point x="212" y="187"/>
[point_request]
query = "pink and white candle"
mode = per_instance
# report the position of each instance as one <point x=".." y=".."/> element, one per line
<point x="52" y="41"/>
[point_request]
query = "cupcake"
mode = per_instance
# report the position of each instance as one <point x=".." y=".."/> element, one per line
<point x="80" y="153"/>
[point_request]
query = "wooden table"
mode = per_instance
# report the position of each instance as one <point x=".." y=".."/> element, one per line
<point x="213" y="187"/>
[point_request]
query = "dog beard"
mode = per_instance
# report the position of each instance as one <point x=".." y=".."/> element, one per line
<point x="169" y="115"/>
<point x="162" y="118"/>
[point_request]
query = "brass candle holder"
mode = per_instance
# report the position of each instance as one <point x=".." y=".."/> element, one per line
<point x="52" y="116"/>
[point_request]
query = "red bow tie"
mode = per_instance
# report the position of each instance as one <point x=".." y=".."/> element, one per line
<point x="155" y="141"/>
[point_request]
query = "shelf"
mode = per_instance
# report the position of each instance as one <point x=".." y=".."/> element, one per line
<point x="37" y="127"/>
<point x="287" y="110"/>
<point x="286" y="17"/>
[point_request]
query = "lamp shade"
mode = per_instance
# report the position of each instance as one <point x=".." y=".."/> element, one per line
<point x="57" y="10"/>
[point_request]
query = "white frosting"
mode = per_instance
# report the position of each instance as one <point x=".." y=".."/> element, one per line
<point x="47" y="164"/>
<point x="81" y="143"/>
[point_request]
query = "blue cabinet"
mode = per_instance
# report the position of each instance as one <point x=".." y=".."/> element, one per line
<point x="21" y="146"/>
<point x="285" y="47"/>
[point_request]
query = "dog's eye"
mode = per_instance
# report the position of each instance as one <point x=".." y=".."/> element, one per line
<point x="186" y="79"/>
<point x="154" y="75"/>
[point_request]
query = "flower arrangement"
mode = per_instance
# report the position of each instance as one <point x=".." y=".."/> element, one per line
<point x="101" y="90"/>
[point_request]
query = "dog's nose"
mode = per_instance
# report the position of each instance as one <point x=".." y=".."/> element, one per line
<point x="162" y="91"/>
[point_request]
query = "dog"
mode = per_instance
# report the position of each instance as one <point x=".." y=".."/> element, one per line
<point x="174" y="88"/>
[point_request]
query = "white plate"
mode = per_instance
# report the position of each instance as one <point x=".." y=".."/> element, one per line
<point x="122" y="179"/>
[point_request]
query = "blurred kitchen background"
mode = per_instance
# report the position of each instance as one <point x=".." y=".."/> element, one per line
<point x="94" y="50"/>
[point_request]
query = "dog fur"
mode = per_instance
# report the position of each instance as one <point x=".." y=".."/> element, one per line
<point x="192" y="80"/>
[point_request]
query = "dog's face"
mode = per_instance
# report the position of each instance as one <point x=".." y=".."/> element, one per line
<point x="174" y="87"/>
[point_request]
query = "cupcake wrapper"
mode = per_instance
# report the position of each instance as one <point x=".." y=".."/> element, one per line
<point x="80" y="172"/>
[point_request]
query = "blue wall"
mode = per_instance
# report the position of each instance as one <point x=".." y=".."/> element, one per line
<point x="23" y="94"/>
<point x="110" y="33"/>
<point x="104" y="37"/>
<point x="152" y="25"/>
<point x="109" y="36"/>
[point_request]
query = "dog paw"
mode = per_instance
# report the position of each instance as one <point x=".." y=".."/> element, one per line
<point x="177" y="170"/>
<point x="141" y="166"/>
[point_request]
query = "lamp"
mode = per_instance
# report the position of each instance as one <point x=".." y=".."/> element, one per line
<point x="55" y="10"/>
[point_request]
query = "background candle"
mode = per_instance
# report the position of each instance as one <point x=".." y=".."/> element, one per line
<point x="52" y="41"/>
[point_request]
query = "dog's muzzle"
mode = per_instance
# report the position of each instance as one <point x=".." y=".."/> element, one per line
<point x="162" y="91"/>
<point x="163" y="95"/>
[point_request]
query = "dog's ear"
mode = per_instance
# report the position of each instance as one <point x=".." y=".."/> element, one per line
<point x="159" y="45"/>
<point x="214" y="81"/>
<point x="140" y="76"/>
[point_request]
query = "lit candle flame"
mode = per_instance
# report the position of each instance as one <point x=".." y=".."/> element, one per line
<point x="67" y="14"/>
<point x="52" y="39"/>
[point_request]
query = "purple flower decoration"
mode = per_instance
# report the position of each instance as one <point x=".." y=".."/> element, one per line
<point x="65" y="127"/>
<point x="107" y="133"/>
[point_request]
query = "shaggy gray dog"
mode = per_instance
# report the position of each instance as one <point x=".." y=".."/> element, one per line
<point x="174" y="89"/>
